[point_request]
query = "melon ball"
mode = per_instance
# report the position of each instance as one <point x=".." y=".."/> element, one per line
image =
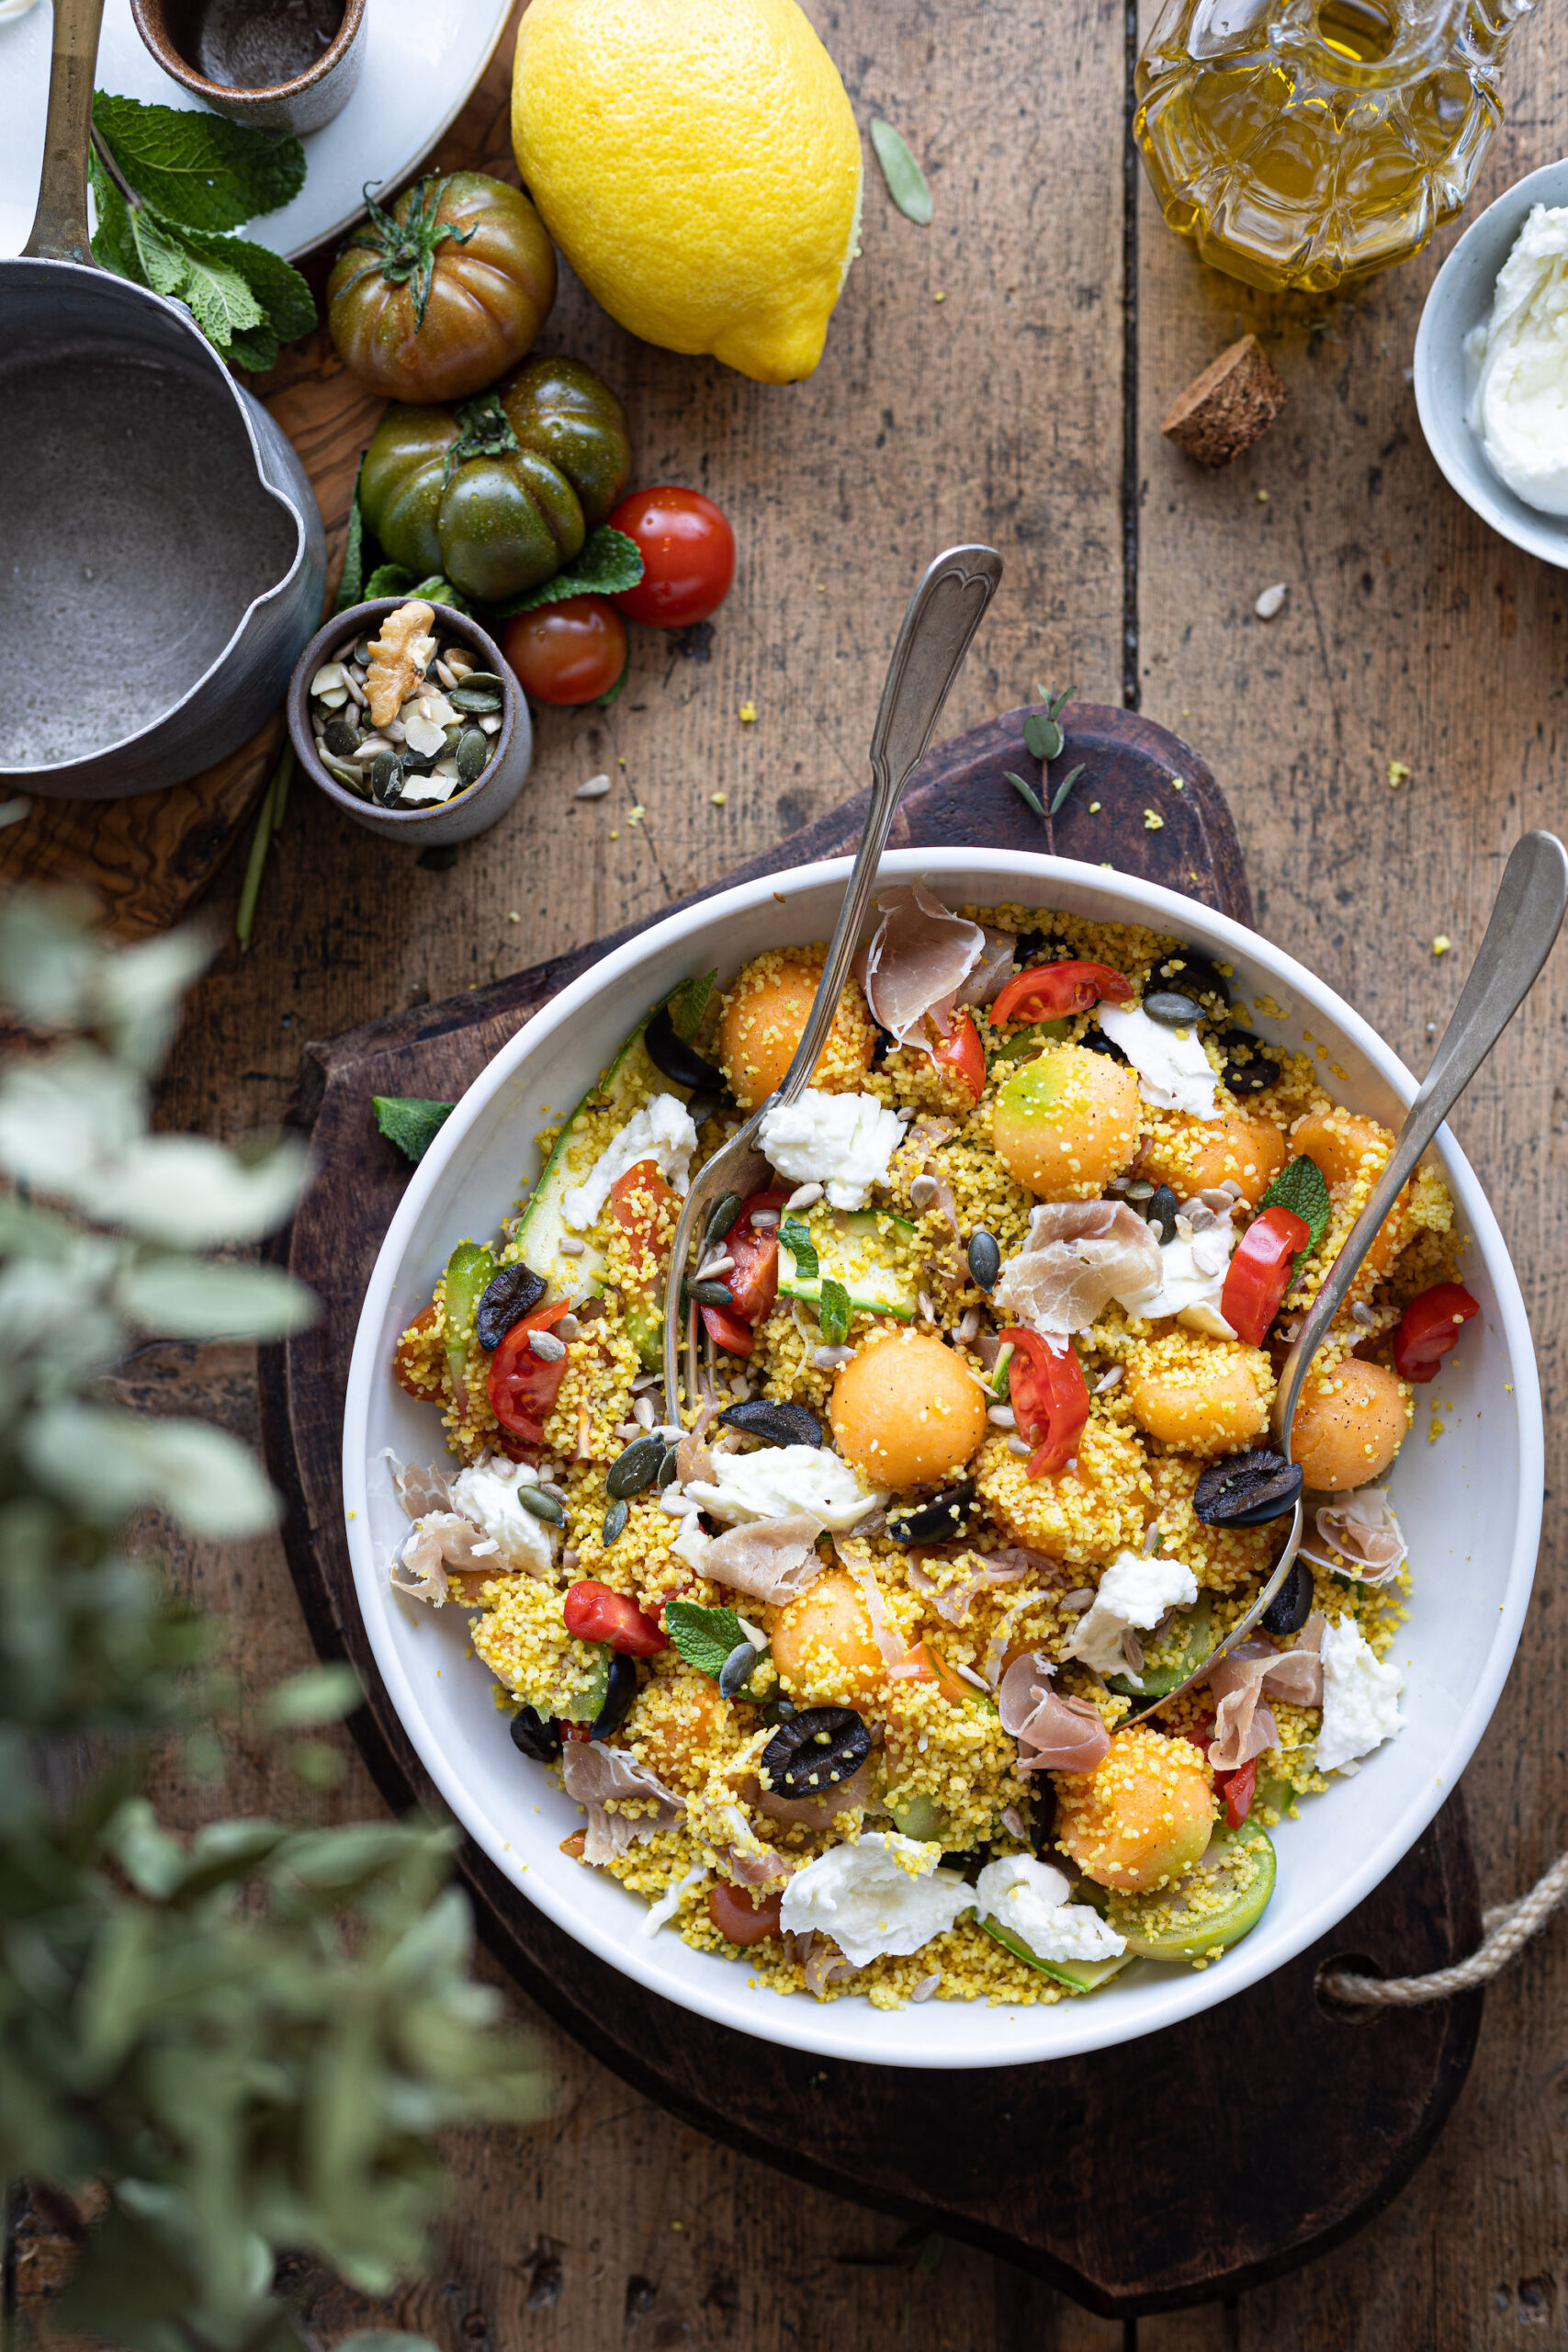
<point x="1350" y="1423"/>
<point x="823" y="1646"/>
<point x="1205" y="1396"/>
<point x="764" y="1017"/>
<point x="1346" y="1147"/>
<point x="677" y="1724"/>
<point x="1143" y="1817"/>
<point x="1067" y="1123"/>
<point x="1190" y="1155"/>
<point x="905" y="1412"/>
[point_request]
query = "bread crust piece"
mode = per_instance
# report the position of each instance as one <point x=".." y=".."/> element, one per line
<point x="1225" y="410"/>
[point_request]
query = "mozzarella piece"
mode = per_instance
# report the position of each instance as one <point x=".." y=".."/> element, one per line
<point x="781" y="1482"/>
<point x="1030" y="1899"/>
<point x="670" y="1901"/>
<point x="883" y="1894"/>
<point x="1191" y="1279"/>
<point x="488" y="1497"/>
<point x="842" y="1141"/>
<point x="1519" y="406"/>
<point x="1173" y="1069"/>
<point x="661" y="1131"/>
<point x="1132" y="1591"/>
<point x="1361" y="1697"/>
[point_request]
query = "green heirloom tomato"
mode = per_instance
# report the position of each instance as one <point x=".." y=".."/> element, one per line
<point x="500" y="492"/>
<point x="431" y="300"/>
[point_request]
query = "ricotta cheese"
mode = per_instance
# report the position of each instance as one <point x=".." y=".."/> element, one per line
<point x="1518" y="402"/>
<point x="841" y="1141"/>
<point x="1361" y="1697"/>
<point x="1173" y="1069"/>
<point x="488" y="1497"/>
<point x="883" y="1894"/>
<point x="781" y="1482"/>
<point x="1132" y="1591"/>
<point x="661" y="1131"/>
<point x="1191" y="1278"/>
<point x="1030" y="1899"/>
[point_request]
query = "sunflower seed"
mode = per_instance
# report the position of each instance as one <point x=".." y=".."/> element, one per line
<point x="1271" y="600"/>
<point x="594" y="789"/>
<point x="547" y="1347"/>
<point x="1002" y="1416"/>
<point x="805" y="1197"/>
<point x="923" y="1191"/>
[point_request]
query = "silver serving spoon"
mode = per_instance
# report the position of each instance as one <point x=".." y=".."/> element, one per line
<point x="1526" y="919"/>
<point x="944" y="612"/>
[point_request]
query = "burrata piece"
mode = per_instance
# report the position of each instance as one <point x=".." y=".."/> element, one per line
<point x="1518" y="402"/>
<point x="883" y="1895"/>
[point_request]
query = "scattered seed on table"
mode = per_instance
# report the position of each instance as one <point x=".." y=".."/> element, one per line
<point x="1271" y="600"/>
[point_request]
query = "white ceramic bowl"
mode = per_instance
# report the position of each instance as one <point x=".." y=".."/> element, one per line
<point x="1459" y="299"/>
<point x="1470" y="1503"/>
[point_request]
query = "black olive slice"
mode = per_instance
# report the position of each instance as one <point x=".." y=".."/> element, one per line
<point x="815" y="1750"/>
<point x="1189" y="968"/>
<point x="637" y="1468"/>
<point x="619" y="1694"/>
<point x="759" y="1417"/>
<point x="934" y="1522"/>
<point x="535" y="1736"/>
<point x="1248" y="1068"/>
<point x="680" y="1063"/>
<point x="1292" y="1605"/>
<point x="1095" y="1041"/>
<point x="1159" y="1210"/>
<point x="1246" y="1489"/>
<point x="515" y="1292"/>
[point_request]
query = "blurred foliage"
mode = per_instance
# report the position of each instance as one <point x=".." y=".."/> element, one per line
<point x="247" y="2036"/>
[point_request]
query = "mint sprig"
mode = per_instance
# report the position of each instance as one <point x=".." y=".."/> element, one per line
<point x="199" y="169"/>
<point x="606" y="564"/>
<point x="351" y="586"/>
<point x="797" y="1240"/>
<point x="411" y="1123"/>
<point x="833" y="1313"/>
<point x="688" y="1000"/>
<point x="1300" y="1187"/>
<point x="704" y="1637"/>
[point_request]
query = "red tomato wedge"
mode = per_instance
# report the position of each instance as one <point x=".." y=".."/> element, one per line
<point x="1429" y="1326"/>
<point x="595" y="1612"/>
<point x="1238" y="1789"/>
<point x="961" y="1055"/>
<point x="728" y="1331"/>
<point x="638" y="1199"/>
<point x="1050" y="1400"/>
<point x="753" y="1281"/>
<point x="735" y="1915"/>
<point x="1259" y="1274"/>
<point x="1052" y="991"/>
<point x="523" y="1387"/>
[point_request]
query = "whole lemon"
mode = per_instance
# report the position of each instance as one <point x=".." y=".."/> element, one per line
<point x="699" y="163"/>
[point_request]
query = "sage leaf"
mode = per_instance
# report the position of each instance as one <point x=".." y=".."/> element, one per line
<point x="319" y="1694"/>
<point x="179" y="1299"/>
<point x="1042" y="738"/>
<point x="1025" y="792"/>
<point x="704" y="1637"/>
<point x="1059" y="798"/>
<point x="606" y="564"/>
<point x="907" y="184"/>
<point x="410" y="1122"/>
<point x="200" y="170"/>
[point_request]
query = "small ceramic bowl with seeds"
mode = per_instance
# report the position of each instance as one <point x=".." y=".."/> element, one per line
<point x="406" y="715"/>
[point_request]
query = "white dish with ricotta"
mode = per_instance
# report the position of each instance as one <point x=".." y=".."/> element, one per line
<point x="1469" y="1502"/>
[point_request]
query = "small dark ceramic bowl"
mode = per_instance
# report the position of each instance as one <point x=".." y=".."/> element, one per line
<point x="472" y="811"/>
<point x="246" y="59"/>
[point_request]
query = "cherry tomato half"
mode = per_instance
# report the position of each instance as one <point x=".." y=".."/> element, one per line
<point x="1052" y="991"/>
<point x="1429" y="1326"/>
<point x="593" y="1613"/>
<point x="1050" y="1400"/>
<point x="639" y="1200"/>
<point x="753" y="1279"/>
<point x="688" y="556"/>
<point x="1259" y="1274"/>
<point x="728" y="1331"/>
<point x="523" y="1387"/>
<point x="569" y="652"/>
<point x="1238" y="1789"/>
<point x="735" y="1915"/>
<point x="960" y="1056"/>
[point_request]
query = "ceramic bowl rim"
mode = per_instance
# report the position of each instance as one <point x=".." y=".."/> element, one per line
<point x="1084" y="2026"/>
<point x="225" y="94"/>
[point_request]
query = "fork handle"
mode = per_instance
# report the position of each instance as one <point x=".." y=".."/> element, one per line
<point x="944" y="612"/>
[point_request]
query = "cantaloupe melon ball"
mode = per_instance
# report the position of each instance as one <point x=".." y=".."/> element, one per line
<point x="1064" y="1123"/>
<point x="764" y="1017"/>
<point x="1190" y="1155"/>
<point x="1143" y="1816"/>
<point x="1349" y="1423"/>
<point x="823" y="1646"/>
<point x="905" y="1412"/>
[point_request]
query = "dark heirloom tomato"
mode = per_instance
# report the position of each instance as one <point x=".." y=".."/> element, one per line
<point x="434" y="298"/>
<point x="498" y="494"/>
<point x="569" y="652"/>
<point x="688" y="556"/>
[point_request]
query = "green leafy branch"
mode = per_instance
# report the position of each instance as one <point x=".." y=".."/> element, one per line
<point x="168" y="188"/>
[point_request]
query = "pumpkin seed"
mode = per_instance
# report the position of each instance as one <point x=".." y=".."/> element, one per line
<point x="668" y="1467"/>
<point x="722" y="1218"/>
<point x="387" y="779"/>
<point x="737" y="1669"/>
<point x="1174" y="1009"/>
<point x="615" y="1520"/>
<point x="907" y="184"/>
<point x="542" y="1505"/>
<point x="633" y="1470"/>
<point x="343" y="773"/>
<point x="985" y="1258"/>
<point x="340" y="735"/>
<point x="473" y="755"/>
<point x="474" y="698"/>
<point x="1160" y="1211"/>
<point x="711" y="1294"/>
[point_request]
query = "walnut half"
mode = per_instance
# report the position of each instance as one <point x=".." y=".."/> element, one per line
<point x="398" y="659"/>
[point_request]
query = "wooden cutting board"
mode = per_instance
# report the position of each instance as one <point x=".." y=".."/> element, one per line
<point x="1180" y="2168"/>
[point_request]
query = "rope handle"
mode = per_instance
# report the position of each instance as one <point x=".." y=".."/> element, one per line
<point x="1508" y="1927"/>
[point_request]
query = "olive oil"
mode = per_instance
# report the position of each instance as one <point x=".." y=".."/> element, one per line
<point x="1307" y="143"/>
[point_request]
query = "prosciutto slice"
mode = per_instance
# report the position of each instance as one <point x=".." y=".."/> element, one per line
<point x="1253" y="1672"/>
<point x="917" y="962"/>
<point x="993" y="971"/>
<point x="768" y="1559"/>
<point x="817" y="1813"/>
<point x="419" y="1491"/>
<point x="596" y="1776"/>
<point x="1054" y="1734"/>
<point x="1078" y="1257"/>
<point x="1360" y="1537"/>
<point x="444" y="1545"/>
<point x="955" y="1601"/>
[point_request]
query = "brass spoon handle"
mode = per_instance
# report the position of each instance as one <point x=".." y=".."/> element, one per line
<point x="60" y="225"/>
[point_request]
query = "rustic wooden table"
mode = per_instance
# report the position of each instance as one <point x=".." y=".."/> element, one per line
<point x="1000" y="374"/>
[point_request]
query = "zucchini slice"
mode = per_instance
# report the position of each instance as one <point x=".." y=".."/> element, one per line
<point x="1213" y="1906"/>
<point x="1082" y="1975"/>
<point x="1180" y="1651"/>
<point x="855" y="1247"/>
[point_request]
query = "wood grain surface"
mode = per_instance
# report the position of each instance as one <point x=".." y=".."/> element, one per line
<point x="1024" y="407"/>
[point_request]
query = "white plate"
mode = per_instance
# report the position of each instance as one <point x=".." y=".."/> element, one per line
<point x="421" y="63"/>
<point x="1470" y="1503"/>
<point x="1459" y="299"/>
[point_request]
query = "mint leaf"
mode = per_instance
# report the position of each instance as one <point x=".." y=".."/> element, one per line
<point x="797" y="1240"/>
<point x="833" y="1313"/>
<point x="214" y="292"/>
<point x="704" y="1637"/>
<point x="351" y="587"/>
<point x="688" y="1002"/>
<point x="1300" y="1188"/>
<point x="413" y="1123"/>
<point x="113" y="246"/>
<point x="606" y="563"/>
<point x="388" y="579"/>
<point x="277" y="285"/>
<point x="254" y="347"/>
<point x="436" y="591"/>
<point x="200" y="170"/>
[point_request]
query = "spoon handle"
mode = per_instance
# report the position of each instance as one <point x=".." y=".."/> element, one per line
<point x="1526" y="919"/>
<point x="944" y="612"/>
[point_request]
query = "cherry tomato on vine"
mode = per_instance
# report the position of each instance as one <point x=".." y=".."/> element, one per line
<point x="1051" y="992"/>
<point x="1259" y="1274"/>
<point x="522" y="1385"/>
<point x="1429" y="1326"/>
<point x="688" y="556"/>
<point x="1050" y="1399"/>
<point x="569" y="652"/>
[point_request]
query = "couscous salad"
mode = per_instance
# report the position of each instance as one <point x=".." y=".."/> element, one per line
<point x="841" y="1670"/>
